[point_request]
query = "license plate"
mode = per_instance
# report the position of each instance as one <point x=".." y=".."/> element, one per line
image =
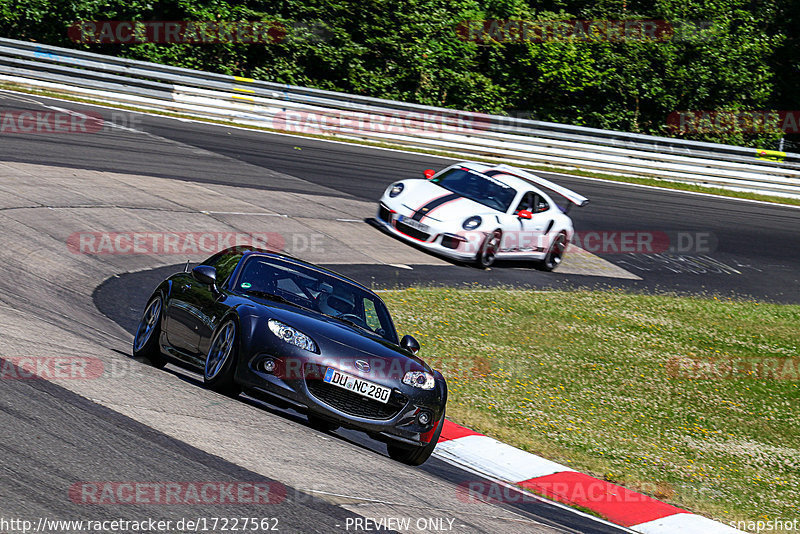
<point x="414" y="224"/>
<point x="357" y="385"/>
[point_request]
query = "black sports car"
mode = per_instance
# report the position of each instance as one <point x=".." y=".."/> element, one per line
<point x="294" y="332"/>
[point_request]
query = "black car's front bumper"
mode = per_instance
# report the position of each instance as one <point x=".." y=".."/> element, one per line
<point x="297" y="378"/>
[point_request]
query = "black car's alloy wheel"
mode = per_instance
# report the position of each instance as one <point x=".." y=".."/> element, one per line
<point x="218" y="374"/>
<point x="556" y="252"/>
<point x="416" y="455"/>
<point x="145" y="344"/>
<point x="488" y="251"/>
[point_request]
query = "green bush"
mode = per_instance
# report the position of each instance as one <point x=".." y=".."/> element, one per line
<point x="744" y="60"/>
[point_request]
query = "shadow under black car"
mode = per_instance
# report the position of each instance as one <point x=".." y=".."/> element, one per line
<point x="262" y="401"/>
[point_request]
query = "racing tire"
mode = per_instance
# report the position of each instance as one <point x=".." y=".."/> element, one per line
<point x="415" y="455"/>
<point x="488" y="251"/>
<point x="145" y="342"/>
<point x="220" y="366"/>
<point x="555" y="254"/>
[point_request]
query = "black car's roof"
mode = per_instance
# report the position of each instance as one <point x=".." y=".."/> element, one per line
<point x="249" y="251"/>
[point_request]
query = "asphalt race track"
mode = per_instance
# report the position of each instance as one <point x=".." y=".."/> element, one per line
<point x="745" y="249"/>
<point x="134" y="425"/>
<point x="137" y="424"/>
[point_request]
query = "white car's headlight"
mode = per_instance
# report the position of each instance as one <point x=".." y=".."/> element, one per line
<point x="472" y="223"/>
<point x="292" y="336"/>
<point x="395" y="190"/>
<point x="419" y="379"/>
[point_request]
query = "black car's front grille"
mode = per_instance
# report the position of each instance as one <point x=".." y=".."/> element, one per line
<point x="411" y="232"/>
<point x="349" y="402"/>
<point x="384" y="214"/>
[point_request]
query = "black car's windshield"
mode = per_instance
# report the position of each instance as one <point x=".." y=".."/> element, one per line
<point x="474" y="186"/>
<point x="316" y="290"/>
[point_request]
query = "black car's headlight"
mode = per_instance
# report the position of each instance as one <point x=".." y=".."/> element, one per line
<point x="395" y="190"/>
<point x="419" y="379"/>
<point x="472" y="223"/>
<point x="292" y="335"/>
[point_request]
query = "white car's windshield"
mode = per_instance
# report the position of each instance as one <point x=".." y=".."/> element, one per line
<point x="474" y="186"/>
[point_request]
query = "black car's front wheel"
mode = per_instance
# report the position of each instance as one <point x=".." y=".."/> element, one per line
<point x="218" y="374"/>
<point x="145" y="343"/>
<point x="416" y="455"/>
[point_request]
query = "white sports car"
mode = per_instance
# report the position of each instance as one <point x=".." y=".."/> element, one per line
<point x="477" y="212"/>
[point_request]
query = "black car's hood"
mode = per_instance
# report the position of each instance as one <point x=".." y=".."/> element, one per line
<point x="325" y="330"/>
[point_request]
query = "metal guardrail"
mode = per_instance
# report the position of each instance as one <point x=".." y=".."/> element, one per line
<point x="292" y="108"/>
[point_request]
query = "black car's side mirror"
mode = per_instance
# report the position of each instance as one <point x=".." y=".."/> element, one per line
<point x="410" y="344"/>
<point x="206" y="274"/>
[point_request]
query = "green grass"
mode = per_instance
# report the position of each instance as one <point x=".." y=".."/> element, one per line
<point x="655" y="182"/>
<point x="585" y="379"/>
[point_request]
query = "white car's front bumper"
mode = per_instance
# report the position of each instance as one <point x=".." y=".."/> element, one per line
<point x="462" y="246"/>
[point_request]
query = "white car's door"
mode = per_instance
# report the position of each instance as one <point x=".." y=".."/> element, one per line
<point x="525" y="233"/>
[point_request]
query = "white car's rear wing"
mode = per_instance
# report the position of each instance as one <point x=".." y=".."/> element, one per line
<point x="570" y="195"/>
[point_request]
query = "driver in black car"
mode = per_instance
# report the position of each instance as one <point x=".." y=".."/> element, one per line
<point x="337" y="302"/>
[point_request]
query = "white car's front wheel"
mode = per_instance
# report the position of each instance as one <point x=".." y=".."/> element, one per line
<point x="488" y="251"/>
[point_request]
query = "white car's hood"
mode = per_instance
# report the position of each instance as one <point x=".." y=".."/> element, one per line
<point x="440" y="204"/>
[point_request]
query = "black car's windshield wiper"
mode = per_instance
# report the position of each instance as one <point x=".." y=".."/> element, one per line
<point x="348" y="321"/>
